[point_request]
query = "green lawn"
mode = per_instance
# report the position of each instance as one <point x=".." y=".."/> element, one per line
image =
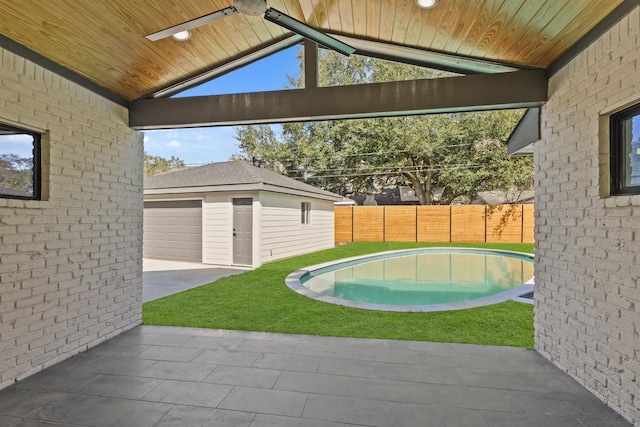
<point x="259" y="300"/>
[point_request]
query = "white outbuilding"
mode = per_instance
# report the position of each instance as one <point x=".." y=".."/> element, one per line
<point x="234" y="213"/>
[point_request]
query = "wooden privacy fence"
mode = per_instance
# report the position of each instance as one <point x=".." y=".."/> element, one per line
<point x="468" y="223"/>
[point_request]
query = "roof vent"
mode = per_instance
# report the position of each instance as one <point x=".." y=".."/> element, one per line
<point x="257" y="161"/>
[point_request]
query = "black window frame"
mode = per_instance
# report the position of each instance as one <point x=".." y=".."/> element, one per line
<point x="37" y="161"/>
<point x="617" y="148"/>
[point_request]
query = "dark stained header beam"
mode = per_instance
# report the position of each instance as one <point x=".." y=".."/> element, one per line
<point x="518" y="89"/>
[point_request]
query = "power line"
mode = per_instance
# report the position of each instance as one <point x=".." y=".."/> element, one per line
<point x="390" y="172"/>
<point x="372" y="153"/>
<point x="391" y="168"/>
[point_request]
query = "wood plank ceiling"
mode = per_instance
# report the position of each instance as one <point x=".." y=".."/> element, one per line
<point x="103" y="40"/>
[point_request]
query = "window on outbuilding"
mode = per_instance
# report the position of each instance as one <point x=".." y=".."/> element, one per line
<point x="625" y="151"/>
<point x="305" y="209"/>
<point x="20" y="163"/>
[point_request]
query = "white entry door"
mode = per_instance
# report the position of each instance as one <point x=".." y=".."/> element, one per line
<point x="242" y="231"/>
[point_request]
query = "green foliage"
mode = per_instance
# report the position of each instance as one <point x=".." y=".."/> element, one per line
<point x="259" y="300"/>
<point x="154" y="165"/>
<point x="442" y="157"/>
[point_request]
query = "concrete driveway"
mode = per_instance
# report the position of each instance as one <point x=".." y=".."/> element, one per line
<point x="161" y="278"/>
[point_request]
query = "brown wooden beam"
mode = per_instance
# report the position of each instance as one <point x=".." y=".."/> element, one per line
<point x="518" y="89"/>
<point x="310" y="64"/>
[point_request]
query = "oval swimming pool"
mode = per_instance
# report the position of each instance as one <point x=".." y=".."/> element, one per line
<point x="426" y="279"/>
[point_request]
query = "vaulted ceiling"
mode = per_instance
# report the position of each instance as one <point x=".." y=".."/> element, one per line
<point x="103" y="40"/>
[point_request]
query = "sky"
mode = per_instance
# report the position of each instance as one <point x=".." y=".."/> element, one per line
<point x="216" y="144"/>
<point x="21" y="145"/>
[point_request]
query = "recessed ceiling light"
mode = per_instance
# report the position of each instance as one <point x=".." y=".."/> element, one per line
<point x="182" y="35"/>
<point x="426" y="4"/>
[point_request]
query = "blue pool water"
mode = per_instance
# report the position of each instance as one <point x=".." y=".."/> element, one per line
<point x="420" y="277"/>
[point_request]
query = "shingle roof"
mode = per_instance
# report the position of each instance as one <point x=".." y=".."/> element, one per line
<point x="232" y="173"/>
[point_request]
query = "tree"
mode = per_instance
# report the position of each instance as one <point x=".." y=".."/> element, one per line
<point x="154" y="165"/>
<point x="16" y="173"/>
<point x="442" y="157"/>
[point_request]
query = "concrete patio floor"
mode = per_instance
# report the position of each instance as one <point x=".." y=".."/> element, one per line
<point x="161" y="278"/>
<point x="165" y="376"/>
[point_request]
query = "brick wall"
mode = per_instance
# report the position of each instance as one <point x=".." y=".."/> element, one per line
<point x="70" y="266"/>
<point x="587" y="243"/>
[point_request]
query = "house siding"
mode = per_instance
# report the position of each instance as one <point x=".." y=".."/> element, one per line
<point x="70" y="265"/>
<point x="587" y="308"/>
<point x="282" y="234"/>
<point x="217" y="226"/>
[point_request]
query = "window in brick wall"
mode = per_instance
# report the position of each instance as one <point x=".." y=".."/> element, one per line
<point x="625" y="151"/>
<point x="20" y="165"/>
<point x="305" y="209"/>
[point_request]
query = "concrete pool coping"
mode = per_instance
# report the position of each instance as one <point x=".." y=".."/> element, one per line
<point x="294" y="282"/>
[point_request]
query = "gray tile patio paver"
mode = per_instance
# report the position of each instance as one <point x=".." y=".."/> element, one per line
<point x="325" y="382"/>
<point x="275" y="402"/>
<point x="167" y="340"/>
<point x="319" y="350"/>
<point x="16" y="402"/>
<point x="224" y="357"/>
<point x="193" y="416"/>
<point x="314" y="383"/>
<point x="97" y="411"/>
<point x="28" y="423"/>
<point x="604" y="423"/>
<point x="217" y="343"/>
<point x="262" y="346"/>
<point x="388" y="355"/>
<point x="288" y="362"/>
<point x="528" y="362"/>
<point x="562" y="403"/>
<point x="58" y="380"/>
<point x="263" y="420"/>
<point x="119" y="386"/>
<point x="435" y="394"/>
<point x="516" y="380"/>
<point x="178" y="371"/>
<point x="411" y="415"/>
<point x="8" y="421"/>
<point x="501" y="419"/>
<point x="425" y="374"/>
<point x="349" y="410"/>
<point x="469" y="361"/>
<point x="353" y="368"/>
<point x="394" y="391"/>
<point x="117" y="349"/>
<point x="189" y="393"/>
<point x="239" y="375"/>
<point x="104" y="365"/>
<point x="175" y="354"/>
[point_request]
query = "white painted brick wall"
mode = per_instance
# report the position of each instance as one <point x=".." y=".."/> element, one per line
<point x="588" y="247"/>
<point x="70" y="266"/>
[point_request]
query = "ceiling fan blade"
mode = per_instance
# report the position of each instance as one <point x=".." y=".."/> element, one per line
<point x="194" y="23"/>
<point x="304" y="30"/>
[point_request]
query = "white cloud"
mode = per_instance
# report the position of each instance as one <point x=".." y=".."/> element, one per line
<point x="194" y="145"/>
<point x="18" y="139"/>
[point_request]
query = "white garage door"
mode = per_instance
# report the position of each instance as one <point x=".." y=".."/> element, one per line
<point x="173" y="230"/>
